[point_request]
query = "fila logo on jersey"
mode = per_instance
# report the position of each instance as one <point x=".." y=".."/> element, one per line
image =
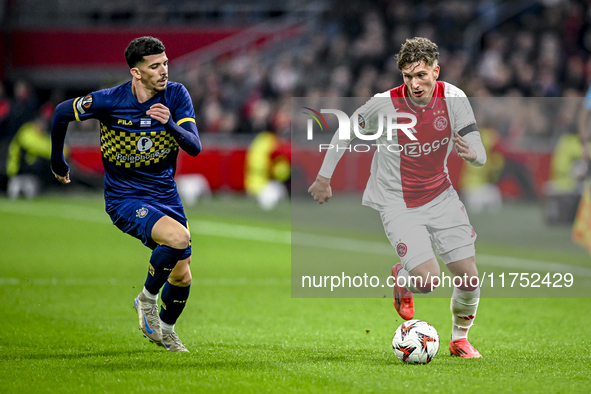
<point x="84" y="104"/>
<point x="124" y="122"/>
<point x="144" y="144"/>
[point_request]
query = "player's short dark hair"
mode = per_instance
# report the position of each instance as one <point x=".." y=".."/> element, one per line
<point x="140" y="47"/>
<point x="416" y="50"/>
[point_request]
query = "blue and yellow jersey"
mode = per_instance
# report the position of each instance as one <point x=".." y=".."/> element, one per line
<point x="139" y="154"/>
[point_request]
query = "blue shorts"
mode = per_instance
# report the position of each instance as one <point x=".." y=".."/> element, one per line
<point x="137" y="218"/>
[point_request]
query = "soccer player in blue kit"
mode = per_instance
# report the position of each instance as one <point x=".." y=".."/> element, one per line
<point x="143" y="124"/>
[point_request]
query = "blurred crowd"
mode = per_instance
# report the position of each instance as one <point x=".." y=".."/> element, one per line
<point x="541" y="51"/>
<point x="488" y="48"/>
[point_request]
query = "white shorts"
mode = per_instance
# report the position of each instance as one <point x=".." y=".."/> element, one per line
<point x="442" y="224"/>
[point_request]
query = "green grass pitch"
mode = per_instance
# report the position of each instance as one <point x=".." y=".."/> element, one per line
<point x="68" y="278"/>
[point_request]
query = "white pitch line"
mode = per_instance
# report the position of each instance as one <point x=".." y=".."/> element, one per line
<point x="238" y="231"/>
<point x="261" y="234"/>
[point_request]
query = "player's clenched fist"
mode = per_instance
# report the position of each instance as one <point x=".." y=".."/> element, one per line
<point x="320" y="189"/>
<point x="63" y="179"/>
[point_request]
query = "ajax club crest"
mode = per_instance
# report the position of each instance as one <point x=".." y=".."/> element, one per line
<point x="401" y="248"/>
<point x="440" y="123"/>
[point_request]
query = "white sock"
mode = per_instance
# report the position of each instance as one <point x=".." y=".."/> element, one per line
<point x="166" y="328"/>
<point x="150" y="296"/>
<point x="463" y="309"/>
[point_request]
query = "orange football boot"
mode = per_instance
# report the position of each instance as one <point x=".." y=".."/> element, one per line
<point x="403" y="301"/>
<point x="462" y="348"/>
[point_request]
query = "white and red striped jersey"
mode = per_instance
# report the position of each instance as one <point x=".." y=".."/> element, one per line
<point x="403" y="171"/>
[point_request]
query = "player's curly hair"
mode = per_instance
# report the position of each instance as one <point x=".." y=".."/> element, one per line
<point x="417" y="49"/>
<point x="140" y="47"/>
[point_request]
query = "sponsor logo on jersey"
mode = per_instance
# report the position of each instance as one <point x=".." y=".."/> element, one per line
<point x="145" y="122"/>
<point x="142" y="159"/>
<point x="413" y="149"/>
<point x="124" y="122"/>
<point x="142" y="212"/>
<point x="84" y="104"/>
<point x="144" y="144"/>
<point x="136" y="149"/>
<point x="417" y="149"/>
<point x="440" y="123"/>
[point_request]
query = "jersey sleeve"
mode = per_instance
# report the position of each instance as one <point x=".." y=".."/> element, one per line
<point x="367" y="118"/>
<point x="183" y="110"/>
<point x="77" y="109"/>
<point x="367" y="121"/>
<point x="461" y="114"/>
<point x="181" y="123"/>
<point x="89" y="106"/>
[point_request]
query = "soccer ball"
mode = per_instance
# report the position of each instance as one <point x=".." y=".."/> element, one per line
<point x="415" y="342"/>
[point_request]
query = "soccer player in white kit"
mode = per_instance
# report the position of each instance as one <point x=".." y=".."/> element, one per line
<point x="409" y="184"/>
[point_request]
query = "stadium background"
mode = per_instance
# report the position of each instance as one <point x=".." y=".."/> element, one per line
<point x="242" y="62"/>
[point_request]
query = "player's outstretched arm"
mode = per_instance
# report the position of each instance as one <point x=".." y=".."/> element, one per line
<point x="320" y="189"/>
<point x="186" y="135"/>
<point x="63" y="115"/>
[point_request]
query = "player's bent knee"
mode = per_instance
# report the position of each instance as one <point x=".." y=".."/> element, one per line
<point x="180" y="239"/>
<point x="169" y="232"/>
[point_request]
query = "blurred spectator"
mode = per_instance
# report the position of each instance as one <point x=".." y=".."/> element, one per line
<point x="478" y="185"/>
<point x="28" y="165"/>
<point x="568" y="167"/>
<point x="24" y="105"/>
<point x="267" y="170"/>
<point x="21" y="109"/>
<point x="567" y="172"/>
<point x="28" y="160"/>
